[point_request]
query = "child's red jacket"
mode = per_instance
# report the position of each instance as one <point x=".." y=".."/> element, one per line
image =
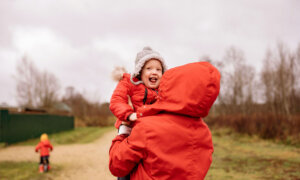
<point x="44" y="147"/>
<point x="119" y="100"/>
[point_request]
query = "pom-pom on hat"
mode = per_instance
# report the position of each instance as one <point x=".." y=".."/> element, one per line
<point x="145" y="55"/>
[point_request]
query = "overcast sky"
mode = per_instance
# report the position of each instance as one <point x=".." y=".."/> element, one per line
<point x="81" y="41"/>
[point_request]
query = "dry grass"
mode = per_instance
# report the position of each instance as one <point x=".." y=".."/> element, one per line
<point x="246" y="157"/>
<point x="267" y="126"/>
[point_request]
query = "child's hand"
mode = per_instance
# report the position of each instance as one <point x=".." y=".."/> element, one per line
<point x="132" y="117"/>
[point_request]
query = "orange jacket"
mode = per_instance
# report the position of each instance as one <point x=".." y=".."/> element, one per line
<point x="172" y="141"/>
<point x="119" y="100"/>
<point x="44" y="147"/>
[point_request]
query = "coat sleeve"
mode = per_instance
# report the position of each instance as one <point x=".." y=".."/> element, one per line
<point x="126" y="152"/>
<point x="50" y="146"/>
<point x="119" y="100"/>
<point x="37" y="147"/>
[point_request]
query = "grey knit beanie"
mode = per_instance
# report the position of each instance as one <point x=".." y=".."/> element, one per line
<point x="145" y="55"/>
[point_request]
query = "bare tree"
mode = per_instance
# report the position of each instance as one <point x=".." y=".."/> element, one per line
<point x="238" y="79"/>
<point x="279" y="77"/>
<point x="283" y="81"/>
<point x="297" y="80"/>
<point x="26" y="77"/>
<point x="268" y="81"/>
<point x="34" y="88"/>
<point x="47" y="90"/>
<point x="87" y="113"/>
<point x="70" y="91"/>
<point x="248" y="74"/>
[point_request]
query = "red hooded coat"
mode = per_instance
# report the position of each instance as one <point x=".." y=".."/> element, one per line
<point x="119" y="100"/>
<point x="44" y="147"/>
<point x="172" y="141"/>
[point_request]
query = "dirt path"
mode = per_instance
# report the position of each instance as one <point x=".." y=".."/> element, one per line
<point x="80" y="161"/>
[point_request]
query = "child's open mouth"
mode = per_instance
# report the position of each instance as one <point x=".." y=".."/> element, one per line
<point x="153" y="79"/>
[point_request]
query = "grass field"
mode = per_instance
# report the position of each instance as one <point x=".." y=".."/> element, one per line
<point x="242" y="157"/>
<point x="28" y="170"/>
<point x="78" y="135"/>
<point x="236" y="157"/>
<point x="25" y="170"/>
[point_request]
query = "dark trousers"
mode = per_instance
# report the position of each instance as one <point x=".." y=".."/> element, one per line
<point x="125" y="177"/>
<point x="44" y="159"/>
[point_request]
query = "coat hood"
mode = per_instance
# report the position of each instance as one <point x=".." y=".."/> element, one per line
<point x="189" y="90"/>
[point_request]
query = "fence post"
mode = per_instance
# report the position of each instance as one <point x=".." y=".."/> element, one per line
<point x="3" y="125"/>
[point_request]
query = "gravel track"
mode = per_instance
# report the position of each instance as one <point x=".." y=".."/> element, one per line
<point x="79" y="161"/>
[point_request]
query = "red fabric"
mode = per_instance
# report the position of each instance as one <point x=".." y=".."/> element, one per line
<point x="119" y="100"/>
<point x="172" y="142"/>
<point x="190" y="90"/>
<point x="44" y="147"/>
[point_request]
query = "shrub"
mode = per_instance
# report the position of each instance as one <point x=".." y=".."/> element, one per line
<point x="267" y="126"/>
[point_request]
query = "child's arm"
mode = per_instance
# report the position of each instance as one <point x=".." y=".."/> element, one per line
<point x="119" y="100"/>
<point x="37" y="147"/>
<point x="50" y="146"/>
<point x="132" y="116"/>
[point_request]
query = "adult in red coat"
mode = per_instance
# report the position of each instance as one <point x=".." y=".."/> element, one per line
<point x="171" y="141"/>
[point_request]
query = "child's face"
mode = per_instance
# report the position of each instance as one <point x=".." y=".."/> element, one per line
<point x="151" y="73"/>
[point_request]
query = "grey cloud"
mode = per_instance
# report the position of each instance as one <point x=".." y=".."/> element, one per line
<point x="182" y="31"/>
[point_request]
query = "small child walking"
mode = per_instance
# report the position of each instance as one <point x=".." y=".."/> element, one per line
<point x="44" y="146"/>
<point x="135" y="90"/>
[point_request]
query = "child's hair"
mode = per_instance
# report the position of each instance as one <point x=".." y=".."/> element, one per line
<point x="44" y="137"/>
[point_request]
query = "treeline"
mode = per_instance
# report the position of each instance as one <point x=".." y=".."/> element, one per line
<point x="39" y="90"/>
<point x="266" y="103"/>
<point x="86" y="112"/>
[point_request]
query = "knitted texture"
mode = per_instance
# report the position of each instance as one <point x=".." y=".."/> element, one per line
<point x="145" y="55"/>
